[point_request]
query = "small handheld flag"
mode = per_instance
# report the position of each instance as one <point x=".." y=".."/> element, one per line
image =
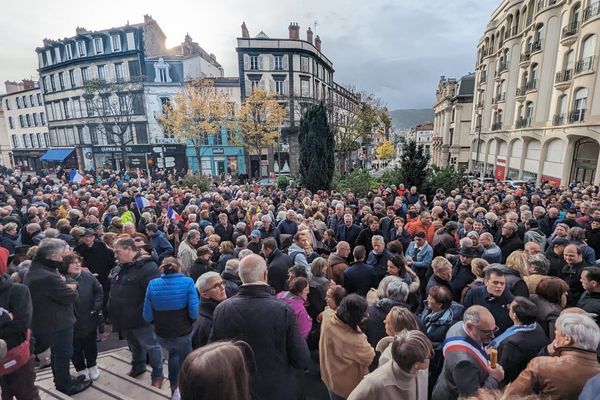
<point x="173" y="215"/>
<point x="76" y="177"/>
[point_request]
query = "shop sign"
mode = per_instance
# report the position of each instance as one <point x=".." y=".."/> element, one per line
<point x="218" y="150"/>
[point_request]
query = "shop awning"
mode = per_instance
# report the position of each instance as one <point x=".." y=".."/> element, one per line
<point x="57" y="154"/>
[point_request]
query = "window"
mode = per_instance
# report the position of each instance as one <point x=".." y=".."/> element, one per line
<point x="32" y="139"/>
<point x="28" y="119"/>
<point x="36" y="122"/>
<point x="93" y="134"/>
<point x="304" y="64"/>
<point x="69" y="51"/>
<point x="15" y="141"/>
<point x="39" y="140"/>
<point x="278" y="63"/>
<point x="45" y="84"/>
<point x="305" y="88"/>
<point x="280" y="87"/>
<point x="135" y="71"/>
<point x="11" y="124"/>
<point x="162" y="75"/>
<point x="21" y="124"/>
<point x="99" y="45"/>
<point x="72" y="78"/>
<point x="31" y="100"/>
<point x="254" y="84"/>
<point x="39" y="99"/>
<point x="61" y="80"/>
<point x="81" y="48"/>
<point x="119" y="74"/>
<point x="46" y="139"/>
<point x="102" y="72"/>
<point x="106" y="105"/>
<point x="26" y="140"/>
<point x="19" y="105"/>
<point x="85" y="74"/>
<point x="218" y="138"/>
<point x="66" y="109"/>
<point x="123" y="104"/>
<point x="7" y="104"/>
<point x="26" y="102"/>
<point x="43" y="118"/>
<point x="137" y="103"/>
<point x="115" y="40"/>
<point x="253" y="62"/>
<point x="141" y="133"/>
<point x="52" y="83"/>
<point x="89" y="107"/>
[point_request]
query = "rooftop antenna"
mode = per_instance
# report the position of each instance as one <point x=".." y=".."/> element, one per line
<point x="315" y="25"/>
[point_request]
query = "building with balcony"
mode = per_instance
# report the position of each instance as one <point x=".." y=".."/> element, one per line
<point x="299" y="74"/>
<point x="539" y="118"/>
<point x="453" y="110"/>
<point x="141" y="73"/>
<point x="26" y="138"/>
<point x="423" y="135"/>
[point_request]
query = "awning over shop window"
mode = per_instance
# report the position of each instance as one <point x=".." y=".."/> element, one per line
<point x="57" y="154"/>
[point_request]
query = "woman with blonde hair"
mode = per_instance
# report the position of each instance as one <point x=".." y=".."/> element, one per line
<point x="517" y="264"/>
<point x="397" y="320"/>
<point x="477" y="266"/>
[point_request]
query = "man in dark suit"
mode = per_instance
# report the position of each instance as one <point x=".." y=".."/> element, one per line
<point x="348" y="232"/>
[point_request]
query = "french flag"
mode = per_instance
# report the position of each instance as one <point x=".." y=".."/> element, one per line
<point x="173" y="215"/>
<point x="76" y="177"/>
<point x="141" y="202"/>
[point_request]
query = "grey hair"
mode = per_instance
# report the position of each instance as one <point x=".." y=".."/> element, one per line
<point x="128" y="224"/>
<point x="377" y="238"/>
<point x="382" y="288"/>
<point x="466" y="242"/>
<point x="51" y="233"/>
<point x="252" y="269"/>
<point x="192" y="233"/>
<point x="581" y="328"/>
<point x="202" y="281"/>
<point x="266" y="218"/>
<point x="397" y="290"/>
<point x="471" y="315"/>
<point x="243" y="253"/>
<point x="232" y="266"/>
<point x="240" y="226"/>
<point x="49" y="247"/>
<point x="209" y="228"/>
<point x="539" y="263"/>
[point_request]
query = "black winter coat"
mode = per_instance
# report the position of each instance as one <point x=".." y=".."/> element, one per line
<point x="373" y="326"/>
<point x="593" y="240"/>
<point x="557" y="263"/>
<point x="220" y="266"/>
<point x="515" y="284"/>
<point x="90" y="300"/>
<point x="279" y="263"/>
<point x="269" y="326"/>
<point x="99" y="259"/>
<point x="498" y="306"/>
<point x="572" y="275"/>
<point x="510" y="244"/>
<point x="359" y="278"/>
<point x="14" y="298"/>
<point x="203" y="324"/>
<point x="232" y="284"/>
<point x="128" y="291"/>
<point x="53" y="301"/>
<point x="198" y="268"/>
<point x="590" y="302"/>
<point x="515" y="352"/>
<point x="461" y="277"/>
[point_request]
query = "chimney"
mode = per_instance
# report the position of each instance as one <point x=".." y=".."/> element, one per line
<point x="294" y="30"/>
<point x="245" y="33"/>
<point x="309" y="35"/>
<point x="80" y="30"/>
<point x="318" y="43"/>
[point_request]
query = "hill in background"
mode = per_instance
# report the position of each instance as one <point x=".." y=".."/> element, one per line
<point x="406" y="119"/>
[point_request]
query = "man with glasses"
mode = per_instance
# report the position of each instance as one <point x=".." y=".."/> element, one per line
<point x="493" y="295"/>
<point x="211" y="287"/>
<point x="467" y="366"/>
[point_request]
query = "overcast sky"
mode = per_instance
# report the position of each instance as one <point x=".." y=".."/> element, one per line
<point x="396" y="49"/>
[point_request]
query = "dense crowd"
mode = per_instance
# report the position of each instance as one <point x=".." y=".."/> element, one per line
<point x="489" y="291"/>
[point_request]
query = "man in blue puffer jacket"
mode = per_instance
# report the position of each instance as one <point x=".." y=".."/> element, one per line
<point x="172" y="304"/>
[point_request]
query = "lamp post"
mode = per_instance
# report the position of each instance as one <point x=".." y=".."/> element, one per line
<point x="478" y="127"/>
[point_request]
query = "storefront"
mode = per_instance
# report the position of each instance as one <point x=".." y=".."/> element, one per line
<point x="28" y="160"/>
<point x="217" y="160"/>
<point x="63" y="156"/>
<point x="159" y="155"/>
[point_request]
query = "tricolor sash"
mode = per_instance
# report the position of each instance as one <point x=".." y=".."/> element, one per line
<point x="468" y="345"/>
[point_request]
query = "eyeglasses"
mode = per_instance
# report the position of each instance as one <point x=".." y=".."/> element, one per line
<point x="488" y="331"/>
<point x="218" y="285"/>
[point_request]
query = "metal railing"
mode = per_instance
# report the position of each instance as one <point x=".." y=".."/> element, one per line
<point x="558" y="119"/>
<point x="570" y="30"/>
<point x="483" y="78"/>
<point x="500" y="97"/>
<point x="585" y="64"/>
<point x="531" y="85"/>
<point x="523" y="122"/>
<point x="504" y="66"/>
<point x="536" y="46"/>
<point x="591" y="11"/>
<point x="525" y="56"/>
<point x="497" y="125"/>
<point x="577" y="115"/>
<point x="563" y="76"/>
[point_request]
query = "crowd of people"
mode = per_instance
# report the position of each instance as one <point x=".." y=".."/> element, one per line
<point x="489" y="291"/>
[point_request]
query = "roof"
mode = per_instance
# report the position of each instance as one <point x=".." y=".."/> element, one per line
<point x="262" y="35"/>
<point x="466" y="86"/>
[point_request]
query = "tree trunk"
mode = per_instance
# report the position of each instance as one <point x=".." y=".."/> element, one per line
<point x="198" y="150"/>
<point x="124" y="153"/>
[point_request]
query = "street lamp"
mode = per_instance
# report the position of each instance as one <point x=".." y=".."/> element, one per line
<point x="478" y="127"/>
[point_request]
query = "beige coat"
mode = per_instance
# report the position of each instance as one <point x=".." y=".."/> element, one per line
<point x="390" y="382"/>
<point x="187" y="255"/>
<point x="345" y="355"/>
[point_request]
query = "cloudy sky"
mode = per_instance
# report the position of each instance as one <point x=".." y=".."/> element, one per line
<point x="396" y="49"/>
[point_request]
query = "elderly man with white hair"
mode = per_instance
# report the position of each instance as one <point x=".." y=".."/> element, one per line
<point x="186" y="252"/>
<point x="211" y="287"/>
<point x="269" y="327"/>
<point x="562" y="375"/>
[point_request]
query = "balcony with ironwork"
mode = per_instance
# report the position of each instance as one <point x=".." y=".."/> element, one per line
<point x="531" y="85"/>
<point x="500" y="97"/>
<point x="558" y="119"/>
<point x="577" y="116"/>
<point x="536" y="46"/>
<point x="585" y="65"/>
<point x="562" y="81"/>
<point x="483" y="78"/>
<point x="521" y="92"/>
<point x="591" y="11"/>
<point x="496" y="126"/>
<point x="569" y="33"/>
<point x="503" y="66"/>
<point x="523" y="122"/>
<point x="524" y="59"/>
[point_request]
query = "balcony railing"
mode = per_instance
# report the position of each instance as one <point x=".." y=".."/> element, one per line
<point x="584" y="65"/>
<point x="496" y="126"/>
<point x="515" y="30"/>
<point x="540" y="5"/>
<point x="531" y="85"/>
<point x="525" y="56"/>
<point x="536" y="46"/>
<point x="577" y="115"/>
<point x="571" y="29"/>
<point x="480" y="104"/>
<point x="503" y="66"/>
<point x="523" y="122"/>
<point x="500" y="97"/>
<point x="563" y="76"/>
<point x="558" y="119"/>
<point x="591" y="11"/>
<point x="483" y="78"/>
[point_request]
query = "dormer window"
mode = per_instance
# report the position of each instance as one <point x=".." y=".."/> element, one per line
<point x="161" y="71"/>
<point x="82" y="51"/>
<point x="115" y="40"/>
<point x="99" y="45"/>
<point x="69" y="51"/>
